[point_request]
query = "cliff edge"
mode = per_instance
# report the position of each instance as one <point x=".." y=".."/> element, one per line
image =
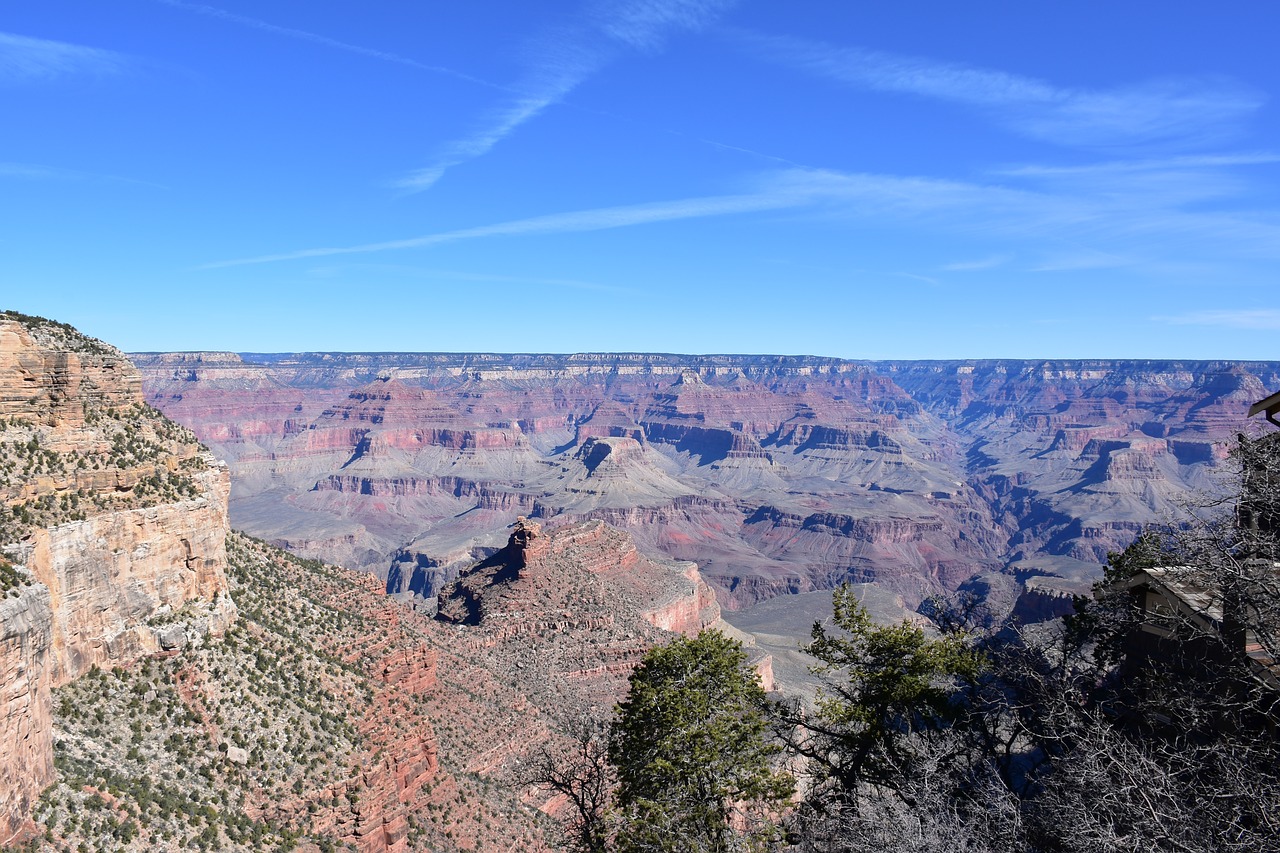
<point x="113" y="522"/>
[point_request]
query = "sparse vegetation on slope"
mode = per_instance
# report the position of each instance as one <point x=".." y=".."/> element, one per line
<point x="309" y="723"/>
<point x="205" y="749"/>
<point x="125" y="457"/>
<point x="56" y="335"/>
<point x="10" y="578"/>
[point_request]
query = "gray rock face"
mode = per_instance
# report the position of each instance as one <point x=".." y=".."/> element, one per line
<point x="172" y="638"/>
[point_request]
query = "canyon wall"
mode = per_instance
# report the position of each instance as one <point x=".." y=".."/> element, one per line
<point x="328" y="709"/>
<point x="112" y="519"/>
<point x="775" y="474"/>
<point x="26" y="725"/>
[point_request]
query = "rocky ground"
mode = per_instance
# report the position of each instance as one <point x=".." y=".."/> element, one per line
<point x="312" y="723"/>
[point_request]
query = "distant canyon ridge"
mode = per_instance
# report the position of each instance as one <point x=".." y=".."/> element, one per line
<point x="776" y="474"/>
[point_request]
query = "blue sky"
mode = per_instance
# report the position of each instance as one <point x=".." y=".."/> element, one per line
<point x="868" y="180"/>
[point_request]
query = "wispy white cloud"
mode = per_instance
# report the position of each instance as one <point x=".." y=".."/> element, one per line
<point x="1169" y="182"/>
<point x="35" y="172"/>
<point x="30" y="172"/>
<point x="407" y="271"/>
<point x="1264" y="319"/>
<point x="647" y="24"/>
<point x="1081" y="259"/>
<point x="1185" y="111"/>
<point x="563" y="59"/>
<point x="916" y="277"/>
<point x="324" y="41"/>
<point x="496" y="127"/>
<point x="596" y="219"/>
<point x="1095" y="231"/>
<point x="988" y="263"/>
<point x="1121" y="167"/>
<point x="26" y="59"/>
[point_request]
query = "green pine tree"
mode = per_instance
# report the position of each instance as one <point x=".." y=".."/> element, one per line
<point x="695" y="765"/>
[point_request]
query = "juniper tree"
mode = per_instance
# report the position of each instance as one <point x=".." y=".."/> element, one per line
<point x="886" y="688"/>
<point x="692" y="752"/>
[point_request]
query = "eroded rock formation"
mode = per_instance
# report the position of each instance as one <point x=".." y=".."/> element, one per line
<point x="113" y="517"/>
<point x="775" y="474"/>
<point x="567" y="612"/>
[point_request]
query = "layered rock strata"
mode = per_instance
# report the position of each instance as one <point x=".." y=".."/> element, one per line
<point x="114" y="517"/>
<point x="775" y="474"/>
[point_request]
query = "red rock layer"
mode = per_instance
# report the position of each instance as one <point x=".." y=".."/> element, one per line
<point x="914" y="475"/>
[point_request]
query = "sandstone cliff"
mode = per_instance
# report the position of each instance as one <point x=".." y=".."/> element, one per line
<point x="115" y="518"/>
<point x="26" y="726"/>
<point x="306" y="720"/>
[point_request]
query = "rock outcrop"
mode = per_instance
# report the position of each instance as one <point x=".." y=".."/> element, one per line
<point x="112" y="573"/>
<point x="586" y="575"/>
<point x="115" y="519"/>
<point x="566" y="613"/>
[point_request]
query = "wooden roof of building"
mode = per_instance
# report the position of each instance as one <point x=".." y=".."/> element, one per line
<point x="1270" y="406"/>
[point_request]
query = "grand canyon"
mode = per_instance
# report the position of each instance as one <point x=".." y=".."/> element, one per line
<point x="514" y="533"/>
<point x="639" y="426"/>
<point x="777" y="475"/>
<point x="169" y="683"/>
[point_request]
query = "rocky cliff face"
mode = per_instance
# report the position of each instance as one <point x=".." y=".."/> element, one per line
<point x="307" y="719"/>
<point x="115" y="519"/>
<point x="587" y="573"/>
<point x="26" y="726"/>
<point x="566" y="613"/>
<point x="112" y="574"/>
<point x="775" y="474"/>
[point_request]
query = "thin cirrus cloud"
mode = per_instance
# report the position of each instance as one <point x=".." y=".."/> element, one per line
<point x="1203" y="161"/>
<point x="596" y="219"/>
<point x="559" y="62"/>
<point x="1188" y="111"/>
<point x="562" y="60"/>
<point x="24" y="59"/>
<point x="1082" y="259"/>
<point x="988" y="263"/>
<point x="322" y="40"/>
<point x="36" y="172"/>
<point x="1169" y="181"/>
<point x="1101" y="233"/>
<point x="413" y="272"/>
<point x="31" y="172"/>
<point x="927" y="279"/>
<point x="828" y="193"/>
<point x="1267" y="319"/>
